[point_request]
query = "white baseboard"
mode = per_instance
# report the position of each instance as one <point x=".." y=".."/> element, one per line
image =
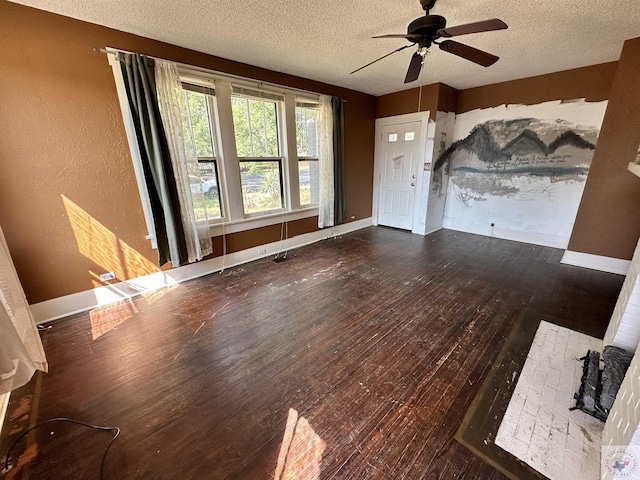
<point x="522" y="236"/>
<point x="431" y="230"/>
<point x="82" y="301"/>
<point x="596" y="262"/>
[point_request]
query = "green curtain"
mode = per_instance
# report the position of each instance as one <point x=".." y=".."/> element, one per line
<point x="139" y="81"/>
<point x="340" y="197"/>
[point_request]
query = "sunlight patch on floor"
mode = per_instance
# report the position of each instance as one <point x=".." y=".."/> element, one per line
<point x="106" y="318"/>
<point x="301" y="451"/>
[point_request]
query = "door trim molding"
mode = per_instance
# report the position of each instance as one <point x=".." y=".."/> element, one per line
<point x="380" y="123"/>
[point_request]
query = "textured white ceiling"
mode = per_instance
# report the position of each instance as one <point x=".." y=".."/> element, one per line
<point x="326" y="39"/>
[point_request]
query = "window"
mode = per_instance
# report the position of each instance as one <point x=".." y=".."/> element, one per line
<point x="251" y="185"/>
<point x="257" y="137"/>
<point x="199" y="106"/>
<point x="307" y="145"/>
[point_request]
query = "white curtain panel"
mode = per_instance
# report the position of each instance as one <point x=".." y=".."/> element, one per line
<point x="21" y="352"/>
<point x="325" y="163"/>
<point x="175" y="120"/>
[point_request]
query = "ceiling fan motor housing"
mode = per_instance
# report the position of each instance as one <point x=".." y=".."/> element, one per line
<point x="427" y="26"/>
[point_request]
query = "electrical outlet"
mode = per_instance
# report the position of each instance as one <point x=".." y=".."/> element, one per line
<point x="107" y="276"/>
<point x="262" y="251"/>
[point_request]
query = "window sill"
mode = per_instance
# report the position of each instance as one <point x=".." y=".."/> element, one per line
<point x="216" y="229"/>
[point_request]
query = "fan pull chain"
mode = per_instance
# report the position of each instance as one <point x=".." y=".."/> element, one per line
<point x="421" y="82"/>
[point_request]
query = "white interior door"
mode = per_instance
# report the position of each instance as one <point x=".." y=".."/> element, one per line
<point x="399" y="168"/>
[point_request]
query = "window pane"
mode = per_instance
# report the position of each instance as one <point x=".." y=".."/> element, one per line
<point x="309" y="177"/>
<point x="307" y="131"/>
<point x="256" y="127"/>
<point x="207" y="184"/>
<point x="199" y="118"/>
<point x="261" y="185"/>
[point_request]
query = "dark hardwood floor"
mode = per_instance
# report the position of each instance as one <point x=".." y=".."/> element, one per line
<point x="380" y="339"/>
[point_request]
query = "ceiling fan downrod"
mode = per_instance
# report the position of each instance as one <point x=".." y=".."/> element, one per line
<point x="427" y="5"/>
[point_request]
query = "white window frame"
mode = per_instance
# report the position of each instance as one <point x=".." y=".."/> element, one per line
<point x="233" y="218"/>
<point x="282" y="158"/>
<point x="299" y="158"/>
<point x="213" y="131"/>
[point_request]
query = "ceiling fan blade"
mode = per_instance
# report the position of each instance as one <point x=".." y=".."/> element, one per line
<point x="414" y="68"/>
<point x="378" y="59"/>
<point x="465" y="51"/>
<point x="409" y="36"/>
<point x="476" y="27"/>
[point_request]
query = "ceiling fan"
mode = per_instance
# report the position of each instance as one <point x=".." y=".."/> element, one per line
<point x="425" y="31"/>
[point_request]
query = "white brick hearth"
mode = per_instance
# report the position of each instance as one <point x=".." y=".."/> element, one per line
<point x="624" y="328"/>
<point x="621" y="436"/>
<point x="538" y="427"/>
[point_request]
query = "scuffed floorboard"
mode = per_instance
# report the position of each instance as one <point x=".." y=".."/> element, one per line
<point x="380" y="339"/>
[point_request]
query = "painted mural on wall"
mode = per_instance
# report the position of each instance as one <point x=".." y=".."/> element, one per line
<point x="521" y="170"/>
<point x="508" y="157"/>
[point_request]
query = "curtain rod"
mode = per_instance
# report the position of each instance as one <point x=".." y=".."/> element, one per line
<point x="215" y="72"/>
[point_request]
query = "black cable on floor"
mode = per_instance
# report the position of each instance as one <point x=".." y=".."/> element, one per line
<point x="63" y="419"/>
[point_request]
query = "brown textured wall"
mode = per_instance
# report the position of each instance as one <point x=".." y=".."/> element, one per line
<point x="608" y="220"/>
<point x="592" y="83"/>
<point x="69" y="203"/>
<point x="447" y="98"/>
<point x="241" y="241"/>
<point x="406" y="101"/>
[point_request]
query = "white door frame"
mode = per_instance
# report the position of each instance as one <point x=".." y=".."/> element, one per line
<point x="423" y="118"/>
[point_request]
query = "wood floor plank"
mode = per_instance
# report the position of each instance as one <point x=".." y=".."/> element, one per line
<point x="380" y="339"/>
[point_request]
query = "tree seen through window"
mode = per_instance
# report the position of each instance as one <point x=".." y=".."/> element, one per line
<point x="255" y="122"/>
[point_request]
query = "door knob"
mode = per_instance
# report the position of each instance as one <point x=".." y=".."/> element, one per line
<point x="413" y="184"/>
